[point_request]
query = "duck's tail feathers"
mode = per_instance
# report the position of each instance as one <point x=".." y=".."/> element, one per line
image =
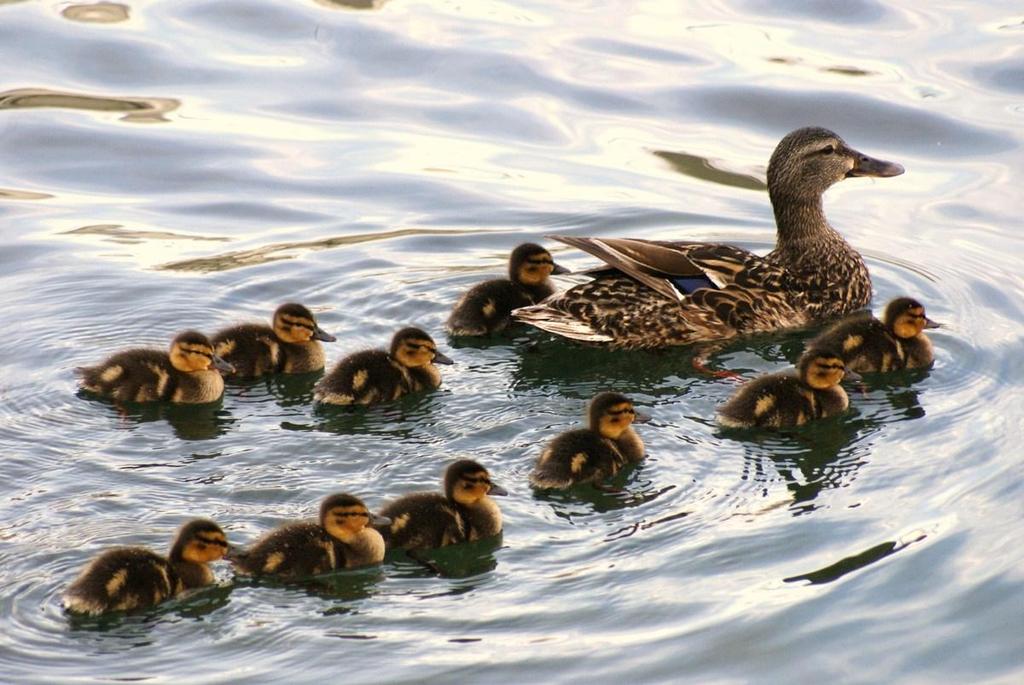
<point x="554" y="321"/>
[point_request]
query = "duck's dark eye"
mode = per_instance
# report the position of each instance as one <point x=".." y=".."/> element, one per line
<point x="828" y="149"/>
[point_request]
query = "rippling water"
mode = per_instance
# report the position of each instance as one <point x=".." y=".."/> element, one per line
<point x="194" y="163"/>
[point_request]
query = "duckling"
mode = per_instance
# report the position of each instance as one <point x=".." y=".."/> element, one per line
<point x="896" y="342"/>
<point x="377" y="376"/>
<point x="786" y="399"/>
<point x="462" y="513"/>
<point x="487" y="307"/>
<point x="129" y="578"/>
<point x="594" y="453"/>
<point x="342" y="539"/>
<point x="292" y="345"/>
<point x="146" y="375"/>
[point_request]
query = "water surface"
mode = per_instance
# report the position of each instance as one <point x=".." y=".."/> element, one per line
<point x="166" y="165"/>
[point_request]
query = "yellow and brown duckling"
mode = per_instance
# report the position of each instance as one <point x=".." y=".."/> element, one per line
<point x="290" y="345"/>
<point x="373" y="376"/>
<point x="487" y="307"/>
<point x="896" y="342"/>
<point x="129" y="578"/>
<point x="462" y="513"/>
<point x="189" y="373"/>
<point x="793" y="397"/>
<point x="595" y="453"/>
<point x="343" y="538"/>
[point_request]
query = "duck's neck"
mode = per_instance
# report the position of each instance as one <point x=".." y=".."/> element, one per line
<point x="800" y="219"/>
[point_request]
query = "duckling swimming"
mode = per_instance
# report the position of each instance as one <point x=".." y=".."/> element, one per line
<point x="896" y="342"/>
<point x="594" y="453"/>
<point x="487" y="307"/>
<point x="786" y="399"/>
<point x="342" y="539"/>
<point x="462" y="513"/>
<point x="129" y="578"/>
<point x="292" y="345"/>
<point x="377" y="376"/>
<point x="145" y="375"/>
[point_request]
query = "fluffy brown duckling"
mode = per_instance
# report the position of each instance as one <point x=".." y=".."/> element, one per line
<point x="896" y="342"/>
<point x="290" y="345"/>
<point x="487" y="307"/>
<point x="793" y="397"/>
<point x="462" y="513"/>
<point x="595" y="453"/>
<point x="373" y="376"/>
<point x="129" y="578"/>
<point x="189" y="373"/>
<point x="341" y="539"/>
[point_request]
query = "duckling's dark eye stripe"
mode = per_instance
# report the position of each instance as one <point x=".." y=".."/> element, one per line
<point x="212" y="541"/>
<point x="350" y="514"/>
<point x="619" y="412"/>
<point x="192" y="350"/>
<point x="476" y="480"/>
<point x="300" y="323"/>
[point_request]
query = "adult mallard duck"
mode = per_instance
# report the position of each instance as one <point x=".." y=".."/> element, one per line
<point x="660" y="293"/>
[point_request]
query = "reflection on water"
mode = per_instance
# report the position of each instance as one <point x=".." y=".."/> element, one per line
<point x="625" y="490"/>
<point x="353" y="4"/>
<point x="134" y="627"/>
<point x="8" y="194"/>
<point x="454" y="561"/>
<point x="138" y="110"/>
<point x="705" y="170"/>
<point x="97" y="13"/>
<point x="291" y="250"/>
<point x="189" y="421"/>
<point x="116" y="233"/>
<point x="855" y="562"/>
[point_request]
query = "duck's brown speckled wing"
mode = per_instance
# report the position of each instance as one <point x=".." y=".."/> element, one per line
<point x="746" y="293"/>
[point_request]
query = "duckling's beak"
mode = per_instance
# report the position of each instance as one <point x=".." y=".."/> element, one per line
<point x="378" y="520"/>
<point x="640" y="418"/>
<point x="928" y="323"/>
<point x="321" y="334"/>
<point x="442" y="358"/>
<point x="869" y="166"/>
<point x="221" y="365"/>
<point x="559" y="269"/>
<point x="849" y="375"/>
<point x="497" y="490"/>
